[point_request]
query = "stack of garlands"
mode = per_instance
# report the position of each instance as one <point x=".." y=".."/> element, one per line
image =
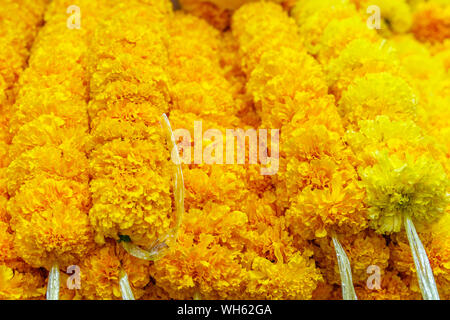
<point x="90" y="173"/>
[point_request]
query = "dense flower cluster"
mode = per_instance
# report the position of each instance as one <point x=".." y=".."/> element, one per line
<point x="232" y="243"/>
<point x="431" y="20"/>
<point x="87" y="179"/>
<point x="402" y="166"/>
<point x="317" y="178"/>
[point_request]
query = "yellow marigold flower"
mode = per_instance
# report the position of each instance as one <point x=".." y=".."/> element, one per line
<point x="260" y="27"/>
<point x="56" y="213"/>
<point x="398" y="137"/>
<point x="15" y="285"/>
<point x="48" y="130"/>
<point x="214" y="264"/>
<point x="124" y="119"/>
<point x="315" y="212"/>
<point x="401" y="182"/>
<point x="396" y="187"/>
<point x="359" y="58"/>
<point x="393" y="287"/>
<point x="100" y="273"/>
<point x="410" y="51"/>
<point x="57" y="162"/>
<point x="217" y="184"/>
<point x="312" y="112"/>
<point x="199" y="83"/>
<point x="377" y="94"/>
<point x="280" y="77"/>
<point x="42" y="101"/>
<point x="339" y="34"/>
<point x="436" y="240"/>
<point x="431" y="21"/>
<point x="313" y="17"/>
<point x="401" y="174"/>
<point x="131" y="190"/>
<point x="294" y="279"/>
<point x="27" y="201"/>
<point x="8" y="253"/>
<point x="205" y="259"/>
<point x="363" y="249"/>
<point x="325" y="178"/>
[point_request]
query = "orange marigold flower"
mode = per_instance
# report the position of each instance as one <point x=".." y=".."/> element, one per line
<point x="17" y="286"/>
<point x="393" y="286"/>
<point x="432" y="21"/>
<point x="363" y="249"/>
<point x="100" y="273"/>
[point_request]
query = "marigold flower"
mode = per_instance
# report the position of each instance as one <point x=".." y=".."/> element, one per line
<point x="17" y="286"/>
<point x="431" y="21"/>
<point x="398" y="137"/>
<point x="396" y="187"/>
<point x="131" y="190"/>
<point x="416" y="59"/>
<point x="313" y="17"/>
<point x="100" y="273"/>
<point x="202" y="262"/>
<point x="199" y="83"/>
<point x="393" y="286"/>
<point x="436" y="242"/>
<point x="377" y="94"/>
<point x="275" y="87"/>
<point x="339" y="34"/>
<point x="59" y="222"/>
<point x="360" y="58"/>
<point x="294" y="279"/>
<point x="363" y="249"/>
<point x="402" y="173"/>
<point x="260" y="27"/>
